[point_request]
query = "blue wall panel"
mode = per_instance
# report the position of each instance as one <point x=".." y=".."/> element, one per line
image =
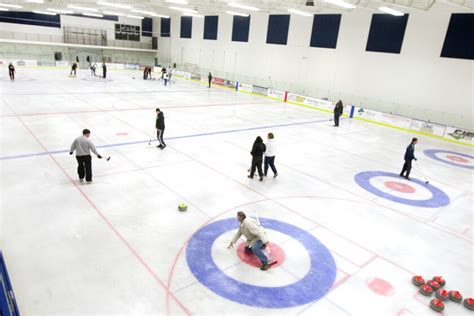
<point x="386" y="33"/>
<point x="147" y="27"/>
<point x="459" y="41"/>
<point x="30" y="18"/>
<point x="240" y="29"/>
<point x="165" y="27"/>
<point x="325" y="30"/>
<point x="278" y="25"/>
<point x="186" y="26"/>
<point x="210" y="27"/>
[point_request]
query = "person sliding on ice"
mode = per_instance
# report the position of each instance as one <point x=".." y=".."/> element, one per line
<point x="338" y="112"/>
<point x="73" y="69"/>
<point x="160" y="128"/>
<point x="11" y="71"/>
<point x="257" y="151"/>
<point x="409" y="156"/>
<point x="104" y="70"/>
<point x="209" y="78"/>
<point x="270" y="156"/>
<point x="256" y="239"/>
<point x="83" y="147"/>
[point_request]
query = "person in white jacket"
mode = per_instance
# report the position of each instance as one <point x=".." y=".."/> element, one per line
<point x="256" y="239"/>
<point x="270" y="156"/>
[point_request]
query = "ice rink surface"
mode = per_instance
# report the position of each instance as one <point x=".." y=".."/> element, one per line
<point x="351" y="232"/>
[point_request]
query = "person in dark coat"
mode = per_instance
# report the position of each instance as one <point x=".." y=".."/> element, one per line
<point x="160" y="128"/>
<point x="73" y="69"/>
<point x="209" y="78"/>
<point x="104" y="70"/>
<point x="409" y="156"/>
<point x="338" y="112"/>
<point x="11" y="71"/>
<point x="257" y="157"/>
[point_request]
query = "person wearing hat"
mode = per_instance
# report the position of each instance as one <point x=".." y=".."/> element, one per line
<point x="256" y="236"/>
<point x="83" y="147"/>
<point x="160" y="128"/>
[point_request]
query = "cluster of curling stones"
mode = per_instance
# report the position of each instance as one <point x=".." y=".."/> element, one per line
<point x="436" y="285"/>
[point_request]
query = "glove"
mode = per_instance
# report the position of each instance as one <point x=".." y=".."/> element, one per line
<point x="70" y="153"/>
<point x="99" y="156"/>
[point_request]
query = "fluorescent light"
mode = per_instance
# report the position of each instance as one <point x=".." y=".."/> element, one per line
<point x="60" y="11"/>
<point x="115" y="5"/>
<point x="93" y="14"/>
<point x="43" y="12"/>
<point x="236" y="13"/>
<point x="177" y="1"/>
<point x="135" y="17"/>
<point x="299" y="12"/>
<point x="341" y="4"/>
<point x="15" y="6"/>
<point x="391" y="11"/>
<point x="161" y="16"/>
<point x="82" y="8"/>
<point x="113" y="13"/>
<point x="4" y="9"/>
<point x="193" y="14"/>
<point x="35" y="1"/>
<point x="183" y="9"/>
<point x="150" y="13"/>
<point x="242" y="6"/>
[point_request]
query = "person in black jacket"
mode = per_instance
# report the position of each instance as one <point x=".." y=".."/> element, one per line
<point x="409" y="156"/>
<point x="11" y="71"/>
<point x="257" y="157"/>
<point x="209" y="78"/>
<point x="338" y="112"/>
<point x="104" y="70"/>
<point x="160" y="128"/>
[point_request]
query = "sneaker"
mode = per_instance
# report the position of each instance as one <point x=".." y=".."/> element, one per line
<point x="275" y="175"/>
<point x="163" y="147"/>
<point x="261" y="179"/>
<point x="81" y="180"/>
<point x="89" y="182"/>
<point x="249" y="177"/>
<point x="159" y="146"/>
<point x="407" y="178"/>
<point x="264" y="267"/>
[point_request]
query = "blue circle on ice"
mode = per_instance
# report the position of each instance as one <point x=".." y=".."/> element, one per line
<point x="313" y="286"/>
<point x="433" y="152"/>
<point x="438" y="199"/>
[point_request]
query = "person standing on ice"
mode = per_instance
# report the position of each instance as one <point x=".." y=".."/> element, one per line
<point x="270" y="156"/>
<point x="104" y="70"/>
<point x="409" y="156"/>
<point x="338" y="112"/>
<point x="258" y="149"/>
<point x="73" y="69"/>
<point x="11" y="71"/>
<point x="256" y="241"/>
<point x="83" y="147"/>
<point x="209" y="78"/>
<point x="160" y="128"/>
<point x="166" y="78"/>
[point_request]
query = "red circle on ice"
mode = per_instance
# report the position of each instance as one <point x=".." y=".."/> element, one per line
<point x="399" y="187"/>
<point x="250" y="258"/>
<point x="457" y="159"/>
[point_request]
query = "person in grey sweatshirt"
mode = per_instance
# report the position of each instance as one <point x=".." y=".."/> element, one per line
<point x="83" y="147"/>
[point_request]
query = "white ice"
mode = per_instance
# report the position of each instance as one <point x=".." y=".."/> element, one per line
<point x="118" y="246"/>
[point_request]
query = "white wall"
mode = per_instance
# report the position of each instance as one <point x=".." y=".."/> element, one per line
<point x="417" y="82"/>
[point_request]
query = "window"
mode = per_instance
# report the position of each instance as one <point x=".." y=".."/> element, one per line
<point x="240" y="29"/>
<point x="186" y="26"/>
<point x="277" y="32"/>
<point x="459" y="41"/>
<point x="386" y="33"/>
<point x="210" y="27"/>
<point x="147" y="27"/>
<point x="325" y="30"/>
<point x="165" y="26"/>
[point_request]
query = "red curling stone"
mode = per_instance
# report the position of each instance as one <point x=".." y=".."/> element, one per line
<point x="442" y="294"/>
<point x="440" y="280"/>
<point x="469" y="303"/>
<point x="437" y="305"/>
<point x="425" y="289"/>
<point x="418" y="280"/>
<point x="455" y="296"/>
<point x="434" y="285"/>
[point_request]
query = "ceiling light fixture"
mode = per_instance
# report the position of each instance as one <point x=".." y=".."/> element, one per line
<point x="236" y="13"/>
<point x="115" y="5"/>
<point x="150" y="13"/>
<point x="4" y="9"/>
<point x="61" y="11"/>
<point x="93" y="14"/>
<point x="43" y="12"/>
<point x="71" y="6"/>
<point x="193" y="14"/>
<point x="177" y="1"/>
<point x="341" y="3"/>
<point x="113" y="13"/>
<point x="242" y="6"/>
<point x="299" y="12"/>
<point x="391" y="11"/>
<point x="135" y="17"/>
<point x="15" y="6"/>
<point x="35" y="1"/>
<point x="183" y="9"/>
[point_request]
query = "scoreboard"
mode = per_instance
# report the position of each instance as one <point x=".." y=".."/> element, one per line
<point x="127" y="32"/>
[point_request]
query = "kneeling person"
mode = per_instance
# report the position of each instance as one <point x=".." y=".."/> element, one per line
<point x="256" y="239"/>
